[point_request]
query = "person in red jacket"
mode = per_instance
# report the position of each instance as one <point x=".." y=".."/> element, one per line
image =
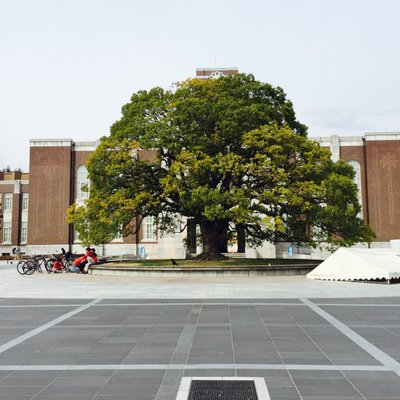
<point x="57" y="266"/>
<point x="82" y="261"/>
<point x="91" y="260"/>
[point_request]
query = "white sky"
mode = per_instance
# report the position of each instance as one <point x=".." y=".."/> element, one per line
<point x="67" y="66"/>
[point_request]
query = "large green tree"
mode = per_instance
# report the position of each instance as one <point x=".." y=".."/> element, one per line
<point x="230" y="156"/>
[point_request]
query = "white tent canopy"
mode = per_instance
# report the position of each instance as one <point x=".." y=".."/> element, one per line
<point x="359" y="264"/>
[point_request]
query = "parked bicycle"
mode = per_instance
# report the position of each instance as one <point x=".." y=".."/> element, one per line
<point x="29" y="265"/>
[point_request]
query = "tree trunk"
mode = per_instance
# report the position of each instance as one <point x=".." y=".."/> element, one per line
<point x="215" y="239"/>
<point x="191" y="236"/>
<point x="241" y="238"/>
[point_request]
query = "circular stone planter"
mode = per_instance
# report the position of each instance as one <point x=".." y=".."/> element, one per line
<point x="200" y="271"/>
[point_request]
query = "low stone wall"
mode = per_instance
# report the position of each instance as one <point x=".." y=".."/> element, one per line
<point x="263" y="270"/>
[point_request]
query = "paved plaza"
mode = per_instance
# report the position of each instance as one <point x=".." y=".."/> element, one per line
<point x="86" y="337"/>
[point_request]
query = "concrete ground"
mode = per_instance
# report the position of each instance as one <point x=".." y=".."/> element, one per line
<point x="92" y="337"/>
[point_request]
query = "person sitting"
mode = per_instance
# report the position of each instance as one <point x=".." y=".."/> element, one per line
<point x="91" y="260"/>
<point x="80" y="263"/>
<point x="17" y="254"/>
<point x="57" y="266"/>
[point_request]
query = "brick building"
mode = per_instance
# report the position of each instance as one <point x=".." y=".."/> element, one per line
<point x="14" y="203"/>
<point x="376" y="159"/>
<point x="33" y="206"/>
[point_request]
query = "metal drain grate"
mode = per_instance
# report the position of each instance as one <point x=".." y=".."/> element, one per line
<point x="222" y="390"/>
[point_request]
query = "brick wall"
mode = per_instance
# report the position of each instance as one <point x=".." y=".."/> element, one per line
<point x="49" y="194"/>
<point x="383" y="174"/>
<point x="356" y="153"/>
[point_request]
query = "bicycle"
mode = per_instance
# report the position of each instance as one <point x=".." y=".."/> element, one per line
<point x="29" y="265"/>
<point x="66" y="260"/>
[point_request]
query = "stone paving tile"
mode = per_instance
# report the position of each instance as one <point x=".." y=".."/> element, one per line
<point x="265" y="373"/>
<point x="60" y="397"/>
<point x="275" y="381"/>
<point x="43" y="301"/>
<point x="8" y="333"/>
<point x="375" y="384"/>
<point x="298" y="373"/>
<point x="172" y="377"/>
<point x="14" y="380"/>
<point x="168" y="390"/>
<point x="217" y="315"/>
<point x="19" y="390"/>
<point x="114" y="350"/>
<point x="82" y="380"/>
<point x="282" y="391"/>
<point x="99" y="361"/>
<point x="304" y="316"/>
<point x="6" y="397"/>
<point x="208" y="372"/>
<point x="387" y="339"/>
<point x="321" y="388"/>
<point x="129" y="380"/>
<point x="131" y="397"/>
<point x="68" y="390"/>
<point x="165" y="396"/>
<point x="136" y="373"/>
<point x="4" y="374"/>
<point x="131" y="390"/>
<point x="383" y="398"/>
<point x="330" y="397"/>
<point x="286" y="398"/>
<point x="358" y="300"/>
<point x="279" y="382"/>
<point x="70" y="373"/>
<point x="30" y="318"/>
<point x="364" y="315"/>
<point x="276" y="314"/>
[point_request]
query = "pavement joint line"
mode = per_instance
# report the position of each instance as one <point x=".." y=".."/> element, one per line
<point x="196" y="309"/>
<point x="203" y="304"/>
<point x="196" y="303"/>
<point x="358" y="305"/>
<point x="42" y="328"/>
<point x="191" y="304"/>
<point x="42" y="305"/>
<point x="367" y="346"/>
<point x="153" y="304"/>
<point x="82" y="367"/>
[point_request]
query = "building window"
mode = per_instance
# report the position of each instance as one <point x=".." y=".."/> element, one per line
<point x="6" y="232"/>
<point x="82" y="183"/>
<point x="25" y="201"/>
<point x="357" y="180"/>
<point x="149" y="228"/>
<point x="24" y="232"/>
<point x="76" y="237"/>
<point x="8" y="201"/>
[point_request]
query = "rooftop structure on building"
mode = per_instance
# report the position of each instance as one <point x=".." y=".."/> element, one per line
<point x="207" y="73"/>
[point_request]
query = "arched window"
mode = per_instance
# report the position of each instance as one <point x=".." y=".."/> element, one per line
<point x="357" y="180"/>
<point x="82" y="184"/>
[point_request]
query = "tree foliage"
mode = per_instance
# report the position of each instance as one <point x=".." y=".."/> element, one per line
<point x="229" y="153"/>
